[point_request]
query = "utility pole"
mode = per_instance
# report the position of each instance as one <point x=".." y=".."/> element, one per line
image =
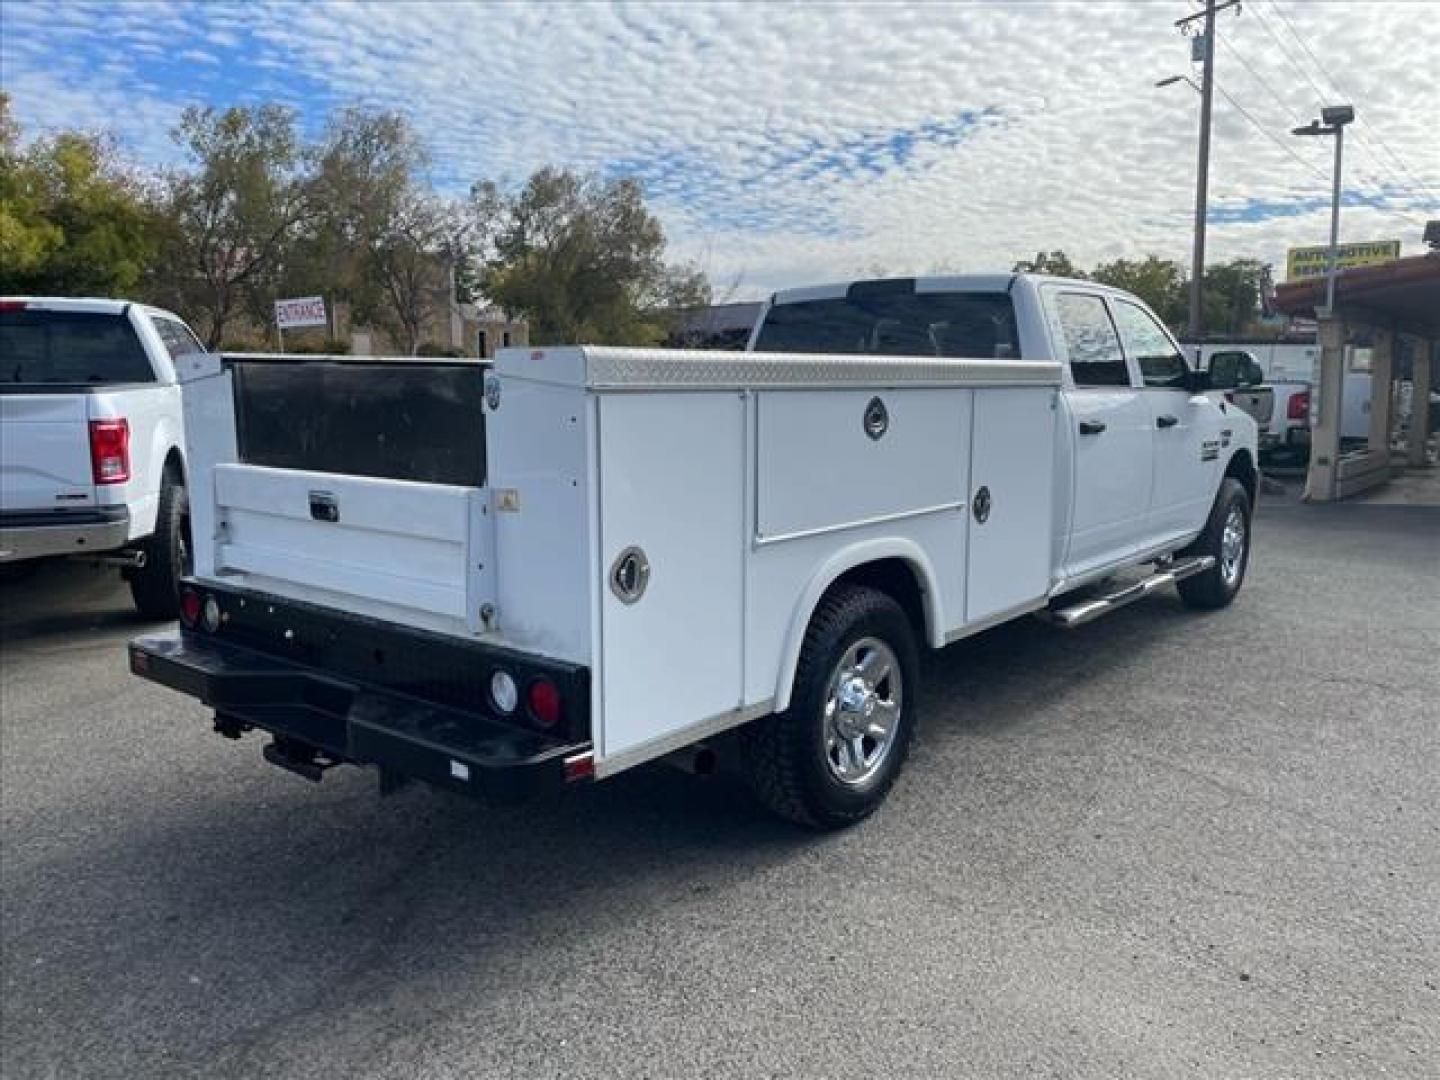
<point x="1202" y="168"/>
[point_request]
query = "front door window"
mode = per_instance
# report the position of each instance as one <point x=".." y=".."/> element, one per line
<point x="1160" y="362"/>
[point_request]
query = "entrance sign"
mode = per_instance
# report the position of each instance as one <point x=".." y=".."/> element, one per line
<point x="305" y="311"/>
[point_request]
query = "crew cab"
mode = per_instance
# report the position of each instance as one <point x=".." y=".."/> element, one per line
<point x="586" y="558"/>
<point x="92" y="460"/>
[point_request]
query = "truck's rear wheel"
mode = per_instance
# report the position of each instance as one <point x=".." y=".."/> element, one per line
<point x="155" y="587"/>
<point x="830" y="759"/>
<point x="1226" y="538"/>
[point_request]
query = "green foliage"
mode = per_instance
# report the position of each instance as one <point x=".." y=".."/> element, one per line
<point x="234" y="216"/>
<point x="1231" y="296"/>
<point x="72" y="221"/>
<point x="1049" y="262"/>
<point x="583" y="260"/>
<point x="1159" y="282"/>
<point x="1231" y="293"/>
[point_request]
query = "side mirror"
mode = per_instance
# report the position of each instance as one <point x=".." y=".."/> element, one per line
<point x="1232" y="370"/>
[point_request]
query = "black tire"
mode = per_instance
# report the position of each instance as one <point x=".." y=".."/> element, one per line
<point x="790" y="758"/>
<point x="1216" y="587"/>
<point x="155" y="587"/>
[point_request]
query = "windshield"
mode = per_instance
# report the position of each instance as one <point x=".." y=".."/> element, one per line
<point x="978" y="325"/>
<point x="70" y="348"/>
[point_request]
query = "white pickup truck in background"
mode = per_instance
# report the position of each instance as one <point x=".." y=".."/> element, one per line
<point x="587" y="558"/>
<point x="92" y="459"/>
<point x="1280" y="407"/>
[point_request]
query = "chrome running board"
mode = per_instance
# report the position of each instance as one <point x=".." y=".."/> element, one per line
<point x="1092" y="608"/>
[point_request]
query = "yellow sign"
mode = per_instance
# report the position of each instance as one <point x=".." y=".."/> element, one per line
<point x="1313" y="262"/>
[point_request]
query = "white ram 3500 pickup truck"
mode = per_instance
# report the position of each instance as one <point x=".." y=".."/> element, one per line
<point x="91" y="457"/>
<point x="642" y="549"/>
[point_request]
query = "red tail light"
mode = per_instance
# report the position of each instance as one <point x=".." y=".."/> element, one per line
<point x="1299" y="406"/>
<point x="12" y="305"/>
<point x="544" y="702"/>
<point x="189" y="607"/>
<point x="110" y="451"/>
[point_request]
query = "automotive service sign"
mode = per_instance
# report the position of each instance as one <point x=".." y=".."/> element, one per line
<point x="1313" y="262"/>
<point x="305" y="311"/>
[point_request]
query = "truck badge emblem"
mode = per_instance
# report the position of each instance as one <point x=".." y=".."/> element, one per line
<point x="877" y="418"/>
<point x="492" y="392"/>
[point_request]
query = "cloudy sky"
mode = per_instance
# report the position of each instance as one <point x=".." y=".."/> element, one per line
<point x="783" y="145"/>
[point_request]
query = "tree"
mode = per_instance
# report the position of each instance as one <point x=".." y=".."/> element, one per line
<point x="1159" y="282"/>
<point x="413" y="259"/>
<point x="381" y="239"/>
<point x="1049" y="262"/>
<point x="234" y="217"/>
<point x="1232" y="295"/>
<point x="583" y="260"/>
<point x="73" y="221"/>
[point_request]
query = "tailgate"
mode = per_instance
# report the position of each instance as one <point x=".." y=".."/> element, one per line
<point x="1259" y="402"/>
<point x="45" y="452"/>
<point x="401" y="544"/>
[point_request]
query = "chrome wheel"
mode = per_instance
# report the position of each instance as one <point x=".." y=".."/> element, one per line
<point x="1232" y="546"/>
<point x="862" y="710"/>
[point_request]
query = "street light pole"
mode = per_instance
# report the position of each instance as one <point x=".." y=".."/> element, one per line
<point x="1334" y="221"/>
<point x="1333" y="119"/>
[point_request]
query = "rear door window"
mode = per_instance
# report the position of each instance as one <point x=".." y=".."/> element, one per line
<point x="70" y="348"/>
<point x="1092" y="348"/>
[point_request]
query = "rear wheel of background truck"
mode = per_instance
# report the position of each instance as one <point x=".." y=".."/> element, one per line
<point x="1226" y="538"/>
<point x="830" y="759"/>
<point x="155" y="587"/>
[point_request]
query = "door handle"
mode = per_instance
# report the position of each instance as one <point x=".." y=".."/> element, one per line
<point x="1166" y="421"/>
<point x="1091" y="427"/>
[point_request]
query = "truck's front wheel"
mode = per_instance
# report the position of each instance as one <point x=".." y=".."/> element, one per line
<point x="830" y="759"/>
<point x="1226" y="539"/>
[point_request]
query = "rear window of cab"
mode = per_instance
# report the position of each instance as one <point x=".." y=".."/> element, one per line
<point x="894" y="323"/>
<point x="70" y="348"/>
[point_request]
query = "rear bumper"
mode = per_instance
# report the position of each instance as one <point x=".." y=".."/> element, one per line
<point x="346" y="722"/>
<point x="333" y="687"/>
<point x="33" y="535"/>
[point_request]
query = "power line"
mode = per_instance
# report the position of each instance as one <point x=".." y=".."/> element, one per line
<point x="1268" y="133"/>
<point x="1377" y="179"/>
<point x="1380" y="171"/>
<point x="1371" y="130"/>
<point x="1320" y="95"/>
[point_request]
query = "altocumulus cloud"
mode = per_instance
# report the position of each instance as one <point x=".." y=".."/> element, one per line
<point x="788" y="144"/>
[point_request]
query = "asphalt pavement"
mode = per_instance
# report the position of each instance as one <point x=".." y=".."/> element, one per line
<point x="1167" y="844"/>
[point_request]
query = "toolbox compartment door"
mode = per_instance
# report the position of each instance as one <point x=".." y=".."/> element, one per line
<point x="1011" y="520"/>
<point x="673" y="487"/>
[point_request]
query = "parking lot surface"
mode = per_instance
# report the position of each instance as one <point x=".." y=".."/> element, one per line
<point x="1165" y="845"/>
